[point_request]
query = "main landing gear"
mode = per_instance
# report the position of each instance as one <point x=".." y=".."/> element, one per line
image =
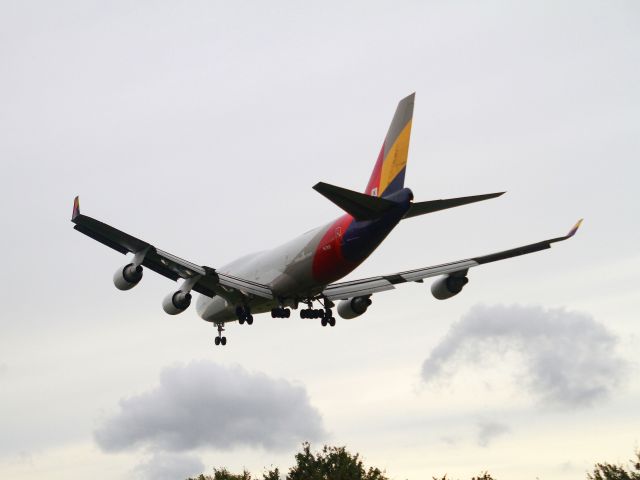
<point x="244" y="315"/>
<point x="220" y="340"/>
<point x="328" y="318"/>
<point x="324" y="314"/>
<point x="280" y="312"/>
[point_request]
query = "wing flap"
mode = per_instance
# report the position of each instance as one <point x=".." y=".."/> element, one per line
<point x="157" y="266"/>
<point x="422" y="273"/>
<point x="108" y="235"/>
<point x="245" y="286"/>
<point x="182" y="267"/>
<point x="367" y="286"/>
<point x="100" y="238"/>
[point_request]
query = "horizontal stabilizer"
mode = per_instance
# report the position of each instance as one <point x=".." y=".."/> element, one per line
<point x="420" y="208"/>
<point x="358" y="205"/>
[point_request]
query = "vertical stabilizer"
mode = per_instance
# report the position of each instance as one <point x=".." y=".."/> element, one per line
<point x="388" y="174"/>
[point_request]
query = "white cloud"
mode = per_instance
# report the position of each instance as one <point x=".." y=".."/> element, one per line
<point x="569" y="358"/>
<point x="203" y="404"/>
<point x="488" y="431"/>
<point x="168" y="466"/>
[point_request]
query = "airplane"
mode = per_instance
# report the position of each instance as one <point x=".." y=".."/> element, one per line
<point x="305" y="271"/>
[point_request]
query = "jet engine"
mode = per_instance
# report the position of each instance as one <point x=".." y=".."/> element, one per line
<point x="176" y="302"/>
<point x="354" y="307"/>
<point x="448" y="286"/>
<point x="127" y="277"/>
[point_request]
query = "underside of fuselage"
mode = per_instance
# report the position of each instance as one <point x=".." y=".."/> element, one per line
<point x="299" y="270"/>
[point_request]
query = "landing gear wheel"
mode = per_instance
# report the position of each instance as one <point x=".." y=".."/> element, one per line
<point x="243" y="314"/>
<point x="323" y="322"/>
<point x="220" y="339"/>
<point x="248" y="319"/>
<point x="332" y="321"/>
<point x="280" y="312"/>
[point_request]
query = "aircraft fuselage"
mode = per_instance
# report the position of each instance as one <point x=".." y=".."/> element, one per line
<point x="302" y="267"/>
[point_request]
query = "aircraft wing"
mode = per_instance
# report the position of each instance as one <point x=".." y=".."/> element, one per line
<point x="369" y="286"/>
<point x="209" y="283"/>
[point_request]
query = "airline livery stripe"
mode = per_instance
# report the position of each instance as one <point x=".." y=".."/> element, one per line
<point x="396" y="159"/>
<point x="388" y="173"/>
<point x="403" y="115"/>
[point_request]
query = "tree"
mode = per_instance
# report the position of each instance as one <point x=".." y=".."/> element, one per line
<point x="336" y="463"/>
<point x="608" y="471"/>
<point x="332" y="463"/>
<point x="224" y="474"/>
<point x="271" y="474"/>
<point x="482" y="476"/>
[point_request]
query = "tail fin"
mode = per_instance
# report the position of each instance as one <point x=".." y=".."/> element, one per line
<point x="388" y="174"/>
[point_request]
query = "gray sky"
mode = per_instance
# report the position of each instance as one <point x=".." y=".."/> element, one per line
<point x="201" y="127"/>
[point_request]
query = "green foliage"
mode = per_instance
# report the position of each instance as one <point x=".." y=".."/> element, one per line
<point x="224" y="474"/>
<point x="482" y="476"/>
<point x="332" y="463"/>
<point x="336" y="463"/>
<point x="608" y="471"/>
<point x="271" y="474"/>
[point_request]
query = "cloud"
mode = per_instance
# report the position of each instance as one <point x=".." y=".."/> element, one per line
<point x="203" y="404"/>
<point x="569" y="358"/>
<point x="488" y="431"/>
<point x="449" y="440"/>
<point x="168" y="466"/>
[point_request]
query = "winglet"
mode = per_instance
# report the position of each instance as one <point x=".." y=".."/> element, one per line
<point x="575" y="228"/>
<point x="76" y="208"/>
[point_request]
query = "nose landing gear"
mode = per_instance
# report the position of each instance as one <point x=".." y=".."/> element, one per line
<point x="220" y="340"/>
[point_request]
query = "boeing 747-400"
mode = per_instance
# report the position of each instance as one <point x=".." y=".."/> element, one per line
<point x="304" y="272"/>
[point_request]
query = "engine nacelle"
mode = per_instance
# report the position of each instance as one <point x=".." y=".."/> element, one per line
<point x="354" y="307"/>
<point x="176" y="302"/>
<point x="127" y="277"/>
<point x="448" y="286"/>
